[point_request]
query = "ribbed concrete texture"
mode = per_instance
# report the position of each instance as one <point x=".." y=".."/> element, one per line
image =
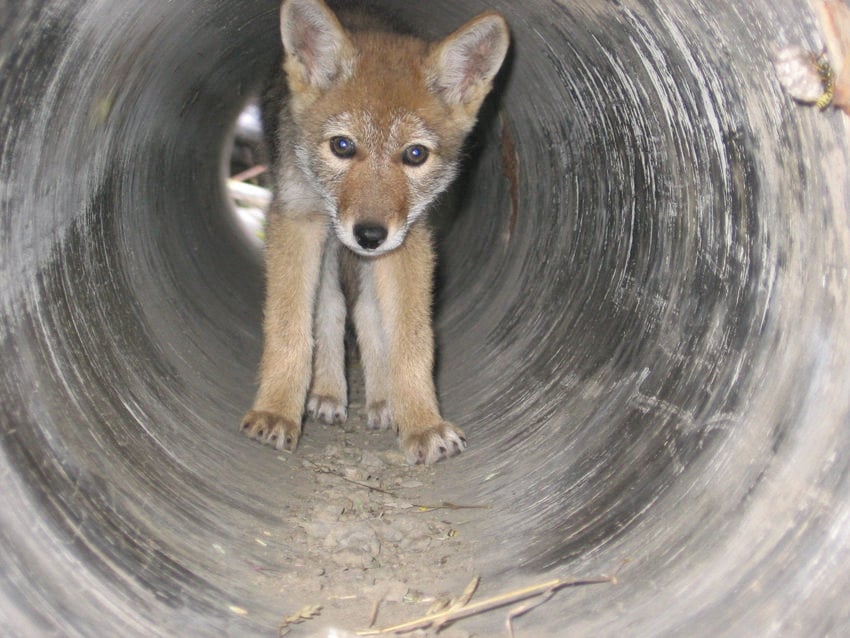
<point x="643" y="320"/>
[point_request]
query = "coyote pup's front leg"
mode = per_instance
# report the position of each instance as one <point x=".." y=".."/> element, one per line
<point x="403" y="283"/>
<point x="294" y="250"/>
<point x="328" y="397"/>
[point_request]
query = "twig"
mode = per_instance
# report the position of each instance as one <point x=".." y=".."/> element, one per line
<point x="254" y="195"/>
<point x="323" y="470"/>
<point x="468" y="593"/>
<point x="455" y="603"/>
<point x="308" y="613"/>
<point x="522" y="609"/>
<point x="373" y="617"/>
<point x="450" y="506"/>
<point x="452" y="614"/>
<point x="254" y="171"/>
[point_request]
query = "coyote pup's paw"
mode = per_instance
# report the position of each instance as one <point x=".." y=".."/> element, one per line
<point x="379" y="417"/>
<point x="271" y="429"/>
<point x="327" y="410"/>
<point x="437" y="442"/>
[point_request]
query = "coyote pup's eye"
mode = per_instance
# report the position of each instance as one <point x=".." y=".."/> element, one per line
<point x="343" y="147"/>
<point x="414" y="155"/>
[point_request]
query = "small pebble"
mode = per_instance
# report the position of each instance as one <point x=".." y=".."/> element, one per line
<point x="371" y="460"/>
<point x="396" y="591"/>
<point x="415" y="543"/>
<point x="389" y="533"/>
<point x="328" y="513"/>
<point x="355" y="474"/>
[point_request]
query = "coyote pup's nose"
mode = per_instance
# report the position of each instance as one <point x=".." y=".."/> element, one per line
<point x="369" y="236"/>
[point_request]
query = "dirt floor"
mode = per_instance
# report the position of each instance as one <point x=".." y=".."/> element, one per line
<point x="374" y="546"/>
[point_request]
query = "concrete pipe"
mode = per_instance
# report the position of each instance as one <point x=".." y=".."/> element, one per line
<point x="643" y="322"/>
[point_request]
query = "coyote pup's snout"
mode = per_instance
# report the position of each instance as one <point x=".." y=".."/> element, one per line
<point x="369" y="132"/>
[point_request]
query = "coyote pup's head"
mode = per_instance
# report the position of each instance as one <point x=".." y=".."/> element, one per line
<point x="381" y="117"/>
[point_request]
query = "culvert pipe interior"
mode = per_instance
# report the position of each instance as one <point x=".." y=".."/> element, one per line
<point x="643" y="321"/>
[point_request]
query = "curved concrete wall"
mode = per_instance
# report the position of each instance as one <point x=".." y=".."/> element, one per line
<point x="644" y="318"/>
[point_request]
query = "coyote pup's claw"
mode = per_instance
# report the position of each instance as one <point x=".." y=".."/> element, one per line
<point x="271" y="429"/>
<point x="429" y="446"/>
<point x="380" y="417"/>
<point x="327" y="410"/>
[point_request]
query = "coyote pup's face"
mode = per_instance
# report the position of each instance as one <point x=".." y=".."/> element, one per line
<point x="380" y="118"/>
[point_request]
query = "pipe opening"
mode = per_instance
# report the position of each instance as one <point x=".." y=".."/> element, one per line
<point x="247" y="169"/>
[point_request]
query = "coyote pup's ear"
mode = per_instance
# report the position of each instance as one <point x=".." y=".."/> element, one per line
<point x="317" y="50"/>
<point x="462" y="67"/>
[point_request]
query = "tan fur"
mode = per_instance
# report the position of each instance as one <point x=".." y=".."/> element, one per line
<point x="360" y="204"/>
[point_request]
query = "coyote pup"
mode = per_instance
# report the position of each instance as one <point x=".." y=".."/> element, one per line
<point x="369" y="133"/>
